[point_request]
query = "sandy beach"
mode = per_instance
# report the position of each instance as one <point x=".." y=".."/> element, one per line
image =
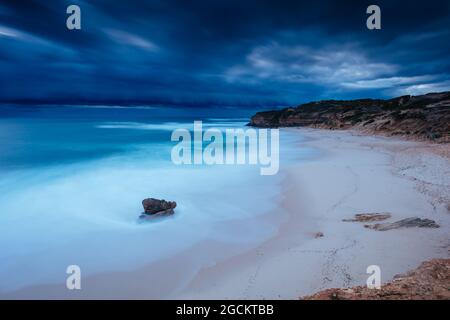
<point x="351" y="173"/>
<point x="355" y="174"/>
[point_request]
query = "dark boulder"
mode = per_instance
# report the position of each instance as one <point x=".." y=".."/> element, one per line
<point x="156" y="206"/>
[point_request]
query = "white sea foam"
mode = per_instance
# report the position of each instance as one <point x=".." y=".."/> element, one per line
<point x="86" y="213"/>
<point x="169" y="126"/>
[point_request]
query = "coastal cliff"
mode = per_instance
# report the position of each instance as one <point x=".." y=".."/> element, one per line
<point x="424" y="117"/>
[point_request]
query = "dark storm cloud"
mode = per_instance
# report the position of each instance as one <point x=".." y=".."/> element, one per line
<point x="221" y="52"/>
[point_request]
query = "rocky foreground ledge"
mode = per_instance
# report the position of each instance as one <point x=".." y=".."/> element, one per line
<point x="424" y="117"/>
<point x="430" y="281"/>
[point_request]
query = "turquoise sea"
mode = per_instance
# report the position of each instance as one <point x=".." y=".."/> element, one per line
<point x="72" y="180"/>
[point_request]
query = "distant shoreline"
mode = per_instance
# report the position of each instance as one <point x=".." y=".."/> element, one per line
<point x="424" y="117"/>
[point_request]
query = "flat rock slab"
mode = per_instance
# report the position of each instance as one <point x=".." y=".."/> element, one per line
<point x="405" y="223"/>
<point x="369" y="217"/>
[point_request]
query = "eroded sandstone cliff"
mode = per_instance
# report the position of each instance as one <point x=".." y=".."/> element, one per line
<point x="425" y="116"/>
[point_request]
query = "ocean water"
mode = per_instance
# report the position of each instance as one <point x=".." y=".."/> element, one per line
<point x="72" y="180"/>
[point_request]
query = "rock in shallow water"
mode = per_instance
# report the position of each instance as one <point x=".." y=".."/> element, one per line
<point x="156" y="206"/>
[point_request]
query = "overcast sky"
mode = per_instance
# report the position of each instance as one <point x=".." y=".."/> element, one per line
<point x="221" y="52"/>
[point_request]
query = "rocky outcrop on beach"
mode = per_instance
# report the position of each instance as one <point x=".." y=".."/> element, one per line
<point x="155" y="206"/>
<point x="369" y="217"/>
<point x="430" y="281"/>
<point x="425" y="116"/>
<point x="404" y="223"/>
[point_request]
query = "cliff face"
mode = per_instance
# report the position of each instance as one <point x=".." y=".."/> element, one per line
<point x="426" y="116"/>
